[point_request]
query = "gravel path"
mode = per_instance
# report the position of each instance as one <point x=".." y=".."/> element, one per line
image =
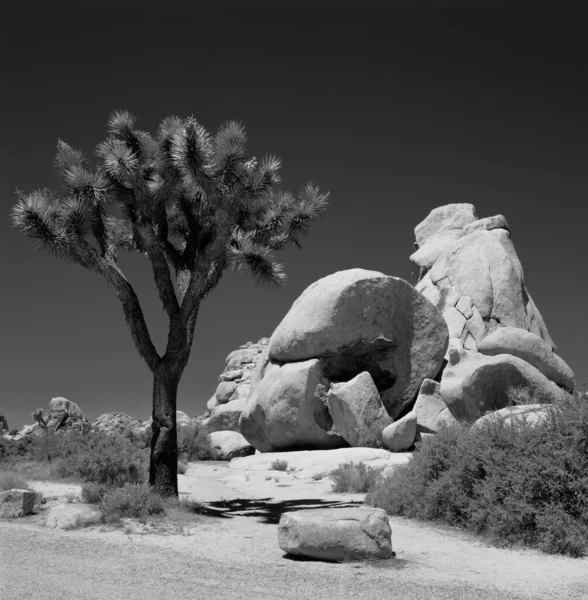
<point x="80" y="565"/>
<point x="235" y="554"/>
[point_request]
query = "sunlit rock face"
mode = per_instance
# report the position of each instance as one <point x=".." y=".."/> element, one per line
<point x="470" y="271"/>
<point x="350" y="327"/>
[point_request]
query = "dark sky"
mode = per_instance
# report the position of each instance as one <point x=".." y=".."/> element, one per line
<point x="393" y="109"/>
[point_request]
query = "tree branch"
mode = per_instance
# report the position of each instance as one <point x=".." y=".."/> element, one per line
<point x="84" y="254"/>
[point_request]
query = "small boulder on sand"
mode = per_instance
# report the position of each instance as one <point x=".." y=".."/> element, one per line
<point x="68" y="516"/>
<point x="16" y="503"/>
<point x="335" y="534"/>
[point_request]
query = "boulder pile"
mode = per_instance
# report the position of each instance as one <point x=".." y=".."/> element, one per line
<point x="61" y="415"/>
<point x="367" y="359"/>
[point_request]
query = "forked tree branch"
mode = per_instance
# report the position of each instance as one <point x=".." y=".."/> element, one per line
<point x="85" y="255"/>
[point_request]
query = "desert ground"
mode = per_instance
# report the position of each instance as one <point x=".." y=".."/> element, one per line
<point x="231" y="550"/>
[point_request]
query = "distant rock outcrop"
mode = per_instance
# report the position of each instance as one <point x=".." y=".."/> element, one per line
<point x="64" y="414"/>
<point x="117" y="422"/>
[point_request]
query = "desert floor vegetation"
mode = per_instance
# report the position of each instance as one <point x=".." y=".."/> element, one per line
<point x="113" y="469"/>
<point x="279" y="465"/>
<point x="355" y="478"/>
<point x="517" y="484"/>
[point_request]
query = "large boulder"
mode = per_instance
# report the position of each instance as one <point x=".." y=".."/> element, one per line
<point x="430" y="409"/>
<point x="473" y="384"/>
<point x="401" y="435"/>
<point x="16" y="503"/>
<point x="358" y="320"/>
<point x="336" y="534"/>
<point x="235" y="380"/>
<point x="357" y="411"/>
<point x="69" y="516"/>
<point x="285" y="410"/>
<point x="116" y="422"/>
<point x="470" y="271"/>
<point x="226" y="445"/>
<point x="532" y="349"/>
<point x="224" y="417"/>
<point x="528" y="414"/>
<point x="63" y="414"/>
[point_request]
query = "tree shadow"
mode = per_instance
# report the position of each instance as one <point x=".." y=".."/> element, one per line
<point x="266" y="510"/>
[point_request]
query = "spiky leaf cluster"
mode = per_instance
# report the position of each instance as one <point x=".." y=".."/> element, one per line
<point x="192" y="202"/>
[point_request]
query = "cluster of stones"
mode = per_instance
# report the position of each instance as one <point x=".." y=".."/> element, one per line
<point x="366" y="359"/>
<point x="221" y="422"/>
<point x="61" y="415"/>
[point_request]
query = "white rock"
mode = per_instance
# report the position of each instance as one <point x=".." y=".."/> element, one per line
<point x="430" y="409"/>
<point x="473" y="383"/>
<point x="68" y="516"/>
<point x="529" y="414"/>
<point x="532" y="349"/>
<point x="227" y="445"/>
<point x="336" y="534"/>
<point x="357" y="410"/>
<point x="284" y="411"/>
<point x="401" y="434"/>
<point x="366" y="316"/>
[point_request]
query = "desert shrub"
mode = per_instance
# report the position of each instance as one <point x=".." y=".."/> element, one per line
<point x="135" y="501"/>
<point x="13" y="432"/>
<point x="520" y="394"/>
<point x="194" y="445"/>
<point x="318" y="476"/>
<point x="515" y="484"/>
<point x="279" y="465"/>
<point x="354" y="477"/>
<point x="10" y="481"/>
<point x="109" y="459"/>
<point x="182" y="467"/>
<point x="94" y="492"/>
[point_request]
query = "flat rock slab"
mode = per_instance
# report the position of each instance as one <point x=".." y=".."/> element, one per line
<point x="16" y="503"/>
<point x="68" y="516"/>
<point x="308" y="462"/>
<point x="336" y="534"/>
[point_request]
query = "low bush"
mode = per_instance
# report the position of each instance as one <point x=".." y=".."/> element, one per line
<point x="515" y="484"/>
<point x="135" y="501"/>
<point x="354" y="478"/>
<point x="279" y="465"/>
<point x="182" y="467"/>
<point x="94" y="492"/>
<point x="10" y="481"/>
<point x="97" y="457"/>
<point x="194" y="445"/>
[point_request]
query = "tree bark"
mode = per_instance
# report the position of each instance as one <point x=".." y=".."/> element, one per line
<point x="163" y="468"/>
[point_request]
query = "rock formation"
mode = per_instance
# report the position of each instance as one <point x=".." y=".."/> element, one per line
<point x="117" y="422"/>
<point x="470" y="271"/>
<point x="226" y="405"/>
<point x="358" y="320"/>
<point x="363" y="358"/>
<point x="335" y="534"/>
<point x="64" y="414"/>
<point x="235" y="380"/>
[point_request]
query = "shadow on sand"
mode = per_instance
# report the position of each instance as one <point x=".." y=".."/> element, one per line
<point x="266" y="510"/>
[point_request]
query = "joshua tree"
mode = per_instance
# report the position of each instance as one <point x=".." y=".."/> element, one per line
<point x="191" y="203"/>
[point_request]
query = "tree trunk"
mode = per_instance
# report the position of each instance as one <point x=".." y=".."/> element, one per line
<point x="163" y="468"/>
